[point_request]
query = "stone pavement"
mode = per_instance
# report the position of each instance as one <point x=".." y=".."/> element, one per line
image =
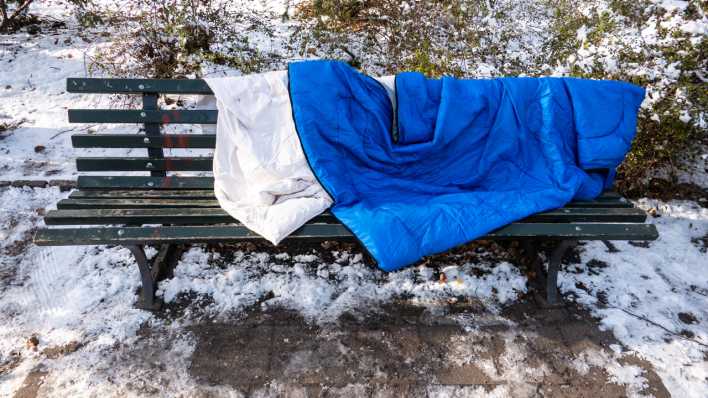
<point x="401" y="350"/>
<point x="406" y="351"/>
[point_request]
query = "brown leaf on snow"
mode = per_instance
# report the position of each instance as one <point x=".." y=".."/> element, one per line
<point x="32" y="342"/>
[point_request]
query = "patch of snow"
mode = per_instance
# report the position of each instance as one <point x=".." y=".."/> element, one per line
<point x="657" y="283"/>
<point x="60" y="294"/>
<point x="323" y="292"/>
<point x="87" y="294"/>
<point x="628" y="375"/>
<point x="305" y="258"/>
<point x="685" y="116"/>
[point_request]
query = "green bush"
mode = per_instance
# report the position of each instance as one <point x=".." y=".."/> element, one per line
<point x="177" y="38"/>
<point x="637" y="41"/>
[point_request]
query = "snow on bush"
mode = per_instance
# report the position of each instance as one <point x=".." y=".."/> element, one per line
<point x="658" y="44"/>
<point x="176" y="38"/>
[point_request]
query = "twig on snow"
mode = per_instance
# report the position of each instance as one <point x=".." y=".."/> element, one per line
<point x="649" y="321"/>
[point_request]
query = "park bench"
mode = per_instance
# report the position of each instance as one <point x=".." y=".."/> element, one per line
<point x="166" y="210"/>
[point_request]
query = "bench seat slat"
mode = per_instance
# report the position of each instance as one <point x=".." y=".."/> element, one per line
<point x="196" y="141"/>
<point x="223" y="233"/>
<point x="142" y="182"/>
<point x="210" y="201"/>
<point x="174" y="234"/>
<point x="208" y="193"/>
<point x="187" y="163"/>
<point x="107" y="183"/>
<point x="134" y="203"/>
<point x="180" y="116"/>
<point x="145" y="194"/>
<point x="209" y="215"/>
<point x="617" y="204"/>
<point x="165" y="188"/>
<point x="218" y="216"/>
<point x="137" y="86"/>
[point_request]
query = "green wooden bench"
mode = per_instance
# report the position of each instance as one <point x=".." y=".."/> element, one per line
<point x="166" y="211"/>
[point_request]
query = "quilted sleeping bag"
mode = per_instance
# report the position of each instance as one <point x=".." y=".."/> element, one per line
<point x="458" y="158"/>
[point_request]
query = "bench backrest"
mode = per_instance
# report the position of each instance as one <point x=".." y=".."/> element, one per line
<point x="151" y="117"/>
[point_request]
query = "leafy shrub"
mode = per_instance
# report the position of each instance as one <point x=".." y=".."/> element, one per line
<point x="659" y="46"/>
<point x="88" y="13"/>
<point x="177" y="38"/>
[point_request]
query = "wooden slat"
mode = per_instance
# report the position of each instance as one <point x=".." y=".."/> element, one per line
<point x="579" y="231"/>
<point x="145" y="194"/>
<point x="142" y="116"/>
<point x="135" y="186"/>
<point x="218" y="234"/>
<point x="179" y="216"/>
<point x="175" y="234"/>
<point x="601" y="203"/>
<point x="93" y="198"/>
<point x="133" y="203"/>
<point x="136" y="86"/>
<point x="610" y="195"/>
<point x="140" y="182"/>
<point x="592" y="214"/>
<point x="608" y="199"/>
<point x="144" y="164"/>
<point x="139" y="202"/>
<point x="93" y="216"/>
<point x="207" y="141"/>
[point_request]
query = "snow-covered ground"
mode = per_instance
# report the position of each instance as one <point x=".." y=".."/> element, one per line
<point x="68" y="315"/>
<point x="648" y="296"/>
<point x="653" y="299"/>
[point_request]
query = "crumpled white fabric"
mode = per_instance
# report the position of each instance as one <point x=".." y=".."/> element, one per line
<point x="261" y="175"/>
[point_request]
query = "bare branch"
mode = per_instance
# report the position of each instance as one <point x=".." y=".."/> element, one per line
<point x="3" y="13"/>
<point x="7" y="18"/>
<point x="20" y="8"/>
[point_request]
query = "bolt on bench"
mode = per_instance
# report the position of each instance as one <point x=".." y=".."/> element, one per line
<point x="123" y="210"/>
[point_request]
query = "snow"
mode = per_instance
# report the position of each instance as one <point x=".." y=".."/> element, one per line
<point x="657" y="283"/>
<point x="628" y="375"/>
<point x="323" y="292"/>
<point x="62" y="294"/>
<point x="87" y="294"/>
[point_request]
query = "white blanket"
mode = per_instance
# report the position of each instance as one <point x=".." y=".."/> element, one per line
<point x="261" y="175"/>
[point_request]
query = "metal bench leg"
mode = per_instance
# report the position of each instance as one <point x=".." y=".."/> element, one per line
<point x="530" y="248"/>
<point x="553" y="268"/>
<point x="150" y="274"/>
<point x="147" y="294"/>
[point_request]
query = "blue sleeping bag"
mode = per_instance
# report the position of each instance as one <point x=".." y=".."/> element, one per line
<point x="470" y="155"/>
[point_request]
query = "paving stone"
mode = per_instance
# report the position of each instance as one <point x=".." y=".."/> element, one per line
<point x="654" y="386"/>
<point x="395" y="391"/>
<point x="31" y="385"/>
<point x="439" y="335"/>
<point x="467" y="374"/>
<point x="231" y="355"/>
<point x="277" y="353"/>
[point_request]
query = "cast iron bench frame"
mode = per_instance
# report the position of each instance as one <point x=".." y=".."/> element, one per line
<point x="123" y="210"/>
